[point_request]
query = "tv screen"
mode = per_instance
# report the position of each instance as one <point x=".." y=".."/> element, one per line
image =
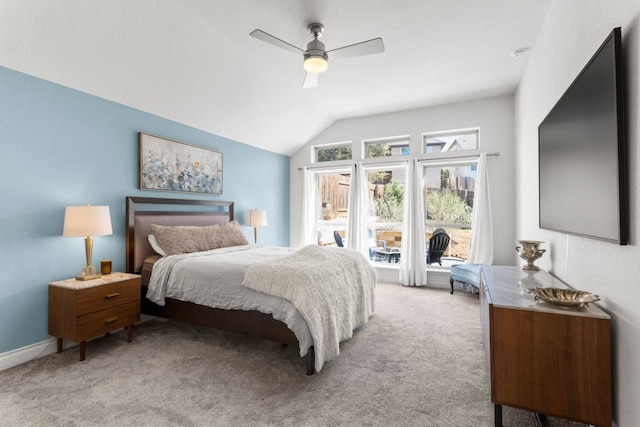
<point x="582" y="160"/>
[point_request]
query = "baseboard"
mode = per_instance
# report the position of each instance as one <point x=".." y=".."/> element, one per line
<point x="34" y="351"/>
<point x="25" y="354"/>
<point x="388" y="275"/>
<point x="436" y="278"/>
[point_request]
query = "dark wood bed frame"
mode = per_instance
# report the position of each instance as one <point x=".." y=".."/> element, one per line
<point x="140" y="213"/>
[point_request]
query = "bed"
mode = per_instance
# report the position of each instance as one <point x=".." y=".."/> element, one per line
<point x="279" y="322"/>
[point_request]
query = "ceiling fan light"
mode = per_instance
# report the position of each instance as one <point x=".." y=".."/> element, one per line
<point x="315" y="64"/>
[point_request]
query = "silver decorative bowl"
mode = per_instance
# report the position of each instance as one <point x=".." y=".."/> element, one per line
<point x="564" y="297"/>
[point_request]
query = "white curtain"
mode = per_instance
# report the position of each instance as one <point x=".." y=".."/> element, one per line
<point x="481" y="251"/>
<point x="308" y="232"/>
<point x="357" y="237"/>
<point x="413" y="270"/>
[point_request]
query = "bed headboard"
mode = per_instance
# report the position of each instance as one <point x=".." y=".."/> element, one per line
<point x="144" y="211"/>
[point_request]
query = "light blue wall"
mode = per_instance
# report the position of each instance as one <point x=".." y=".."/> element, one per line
<point x="63" y="147"/>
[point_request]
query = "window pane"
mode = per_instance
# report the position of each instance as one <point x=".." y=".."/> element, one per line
<point x="332" y="206"/>
<point x="381" y="149"/>
<point x="449" y="192"/>
<point x="386" y="208"/>
<point x="453" y="141"/>
<point x="390" y="147"/>
<point x="328" y="154"/>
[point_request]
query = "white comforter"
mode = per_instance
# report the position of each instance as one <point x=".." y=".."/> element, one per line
<point x="214" y="279"/>
<point x="333" y="288"/>
<point x="321" y="294"/>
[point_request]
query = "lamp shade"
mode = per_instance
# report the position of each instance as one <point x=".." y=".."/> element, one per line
<point x="84" y="221"/>
<point x="256" y="217"/>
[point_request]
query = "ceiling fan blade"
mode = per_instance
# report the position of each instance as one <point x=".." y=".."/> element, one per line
<point x="359" y="49"/>
<point x="266" y="37"/>
<point x="310" y="81"/>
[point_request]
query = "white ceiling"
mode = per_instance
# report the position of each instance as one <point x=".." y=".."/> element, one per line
<point x="194" y="62"/>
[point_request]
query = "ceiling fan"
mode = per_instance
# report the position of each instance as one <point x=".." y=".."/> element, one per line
<point x="316" y="57"/>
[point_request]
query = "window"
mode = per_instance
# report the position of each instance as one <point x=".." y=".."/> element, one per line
<point x="386" y="147"/>
<point x="451" y="141"/>
<point x="329" y="153"/>
<point x="386" y="213"/>
<point x="332" y="205"/>
<point x="449" y="192"/>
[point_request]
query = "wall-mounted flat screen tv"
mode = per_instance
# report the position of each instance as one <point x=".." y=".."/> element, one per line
<point x="582" y="153"/>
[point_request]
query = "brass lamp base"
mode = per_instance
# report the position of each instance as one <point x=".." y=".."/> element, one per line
<point x="93" y="276"/>
<point x="88" y="273"/>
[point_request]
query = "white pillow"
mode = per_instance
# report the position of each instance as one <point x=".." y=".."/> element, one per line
<point x="155" y="245"/>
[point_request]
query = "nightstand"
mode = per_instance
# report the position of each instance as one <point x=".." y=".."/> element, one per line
<point x="80" y="310"/>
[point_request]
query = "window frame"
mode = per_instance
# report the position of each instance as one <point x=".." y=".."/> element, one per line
<point x="472" y="163"/>
<point x="449" y="133"/>
<point x="321" y="225"/>
<point x="317" y="148"/>
<point x="392" y="139"/>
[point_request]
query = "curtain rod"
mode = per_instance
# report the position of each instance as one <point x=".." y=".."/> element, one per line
<point x="495" y="154"/>
<point x="326" y="167"/>
<point x="364" y="165"/>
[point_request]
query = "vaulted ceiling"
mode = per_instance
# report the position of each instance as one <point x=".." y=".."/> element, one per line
<point x="194" y="62"/>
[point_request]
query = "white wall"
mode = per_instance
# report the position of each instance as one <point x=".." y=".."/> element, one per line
<point x="572" y="32"/>
<point x="493" y="116"/>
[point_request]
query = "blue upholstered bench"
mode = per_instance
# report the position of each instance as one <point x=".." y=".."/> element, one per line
<point x="468" y="275"/>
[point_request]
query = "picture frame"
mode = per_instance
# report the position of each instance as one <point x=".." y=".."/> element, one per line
<point x="168" y="165"/>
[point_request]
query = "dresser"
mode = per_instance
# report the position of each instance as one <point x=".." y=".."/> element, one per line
<point x="80" y="310"/>
<point x="544" y="358"/>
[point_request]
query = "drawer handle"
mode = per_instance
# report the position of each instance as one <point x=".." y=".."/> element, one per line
<point x="112" y="320"/>
<point x="112" y="295"/>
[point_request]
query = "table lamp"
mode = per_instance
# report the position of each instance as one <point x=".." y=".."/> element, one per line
<point x="87" y="221"/>
<point x="256" y="218"/>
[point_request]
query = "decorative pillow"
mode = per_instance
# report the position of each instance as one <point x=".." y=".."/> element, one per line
<point x="182" y="239"/>
<point x="155" y="245"/>
<point x="230" y="234"/>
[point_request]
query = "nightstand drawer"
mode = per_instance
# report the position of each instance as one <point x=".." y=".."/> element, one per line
<point x="103" y="321"/>
<point x="80" y="310"/>
<point x="111" y="295"/>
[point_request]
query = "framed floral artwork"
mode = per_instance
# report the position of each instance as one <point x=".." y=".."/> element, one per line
<point x="167" y="165"/>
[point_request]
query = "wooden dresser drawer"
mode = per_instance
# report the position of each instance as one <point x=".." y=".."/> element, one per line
<point x="103" y="321"/>
<point x="80" y="310"/>
<point x="111" y="295"/>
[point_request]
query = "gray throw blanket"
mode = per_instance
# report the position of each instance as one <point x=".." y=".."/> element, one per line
<point x="333" y="288"/>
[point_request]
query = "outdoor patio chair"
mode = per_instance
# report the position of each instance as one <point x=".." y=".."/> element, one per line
<point x="437" y="245"/>
<point x="375" y="245"/>
<point x="438" y="231"/>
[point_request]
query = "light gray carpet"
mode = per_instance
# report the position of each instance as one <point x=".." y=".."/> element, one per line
<point x="418" y="362"/>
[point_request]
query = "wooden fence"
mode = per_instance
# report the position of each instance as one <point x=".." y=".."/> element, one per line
<point x="334" y="194"/>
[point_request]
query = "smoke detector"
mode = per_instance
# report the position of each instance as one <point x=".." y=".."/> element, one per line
<point x="517" y="54"/>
